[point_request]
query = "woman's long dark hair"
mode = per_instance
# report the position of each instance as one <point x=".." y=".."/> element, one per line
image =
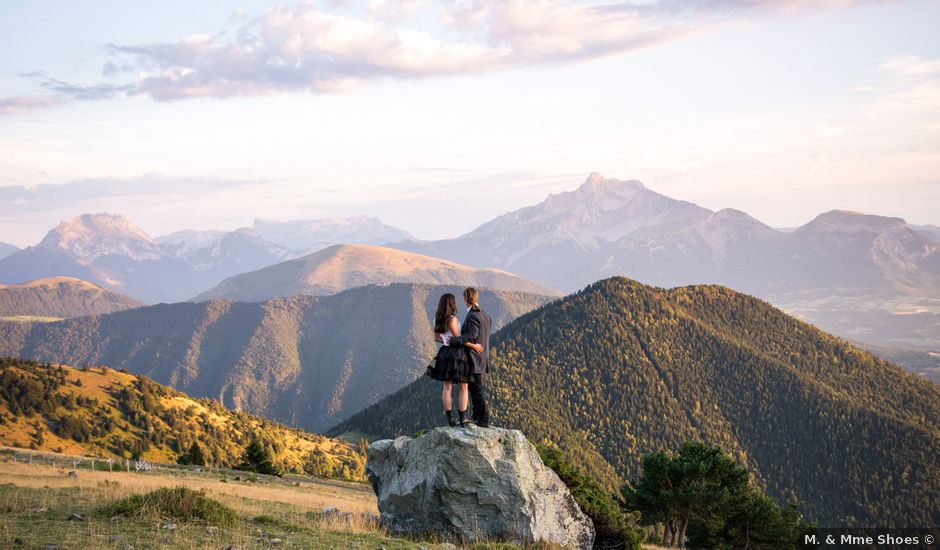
<point x="446" y="307"/>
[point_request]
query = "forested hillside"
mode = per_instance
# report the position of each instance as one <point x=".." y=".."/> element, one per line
<point x="60" y="297"/>
<point x="106" y="413"/>
<point x="621" y="369"/>
<point x="302" y="360"/>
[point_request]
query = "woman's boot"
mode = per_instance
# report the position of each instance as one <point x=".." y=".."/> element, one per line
<point x="450" y="418"/>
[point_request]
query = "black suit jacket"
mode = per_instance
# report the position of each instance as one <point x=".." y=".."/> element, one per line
<point x="476" y="328"/>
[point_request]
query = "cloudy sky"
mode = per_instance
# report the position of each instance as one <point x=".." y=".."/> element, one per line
<point x="436" y="116"/>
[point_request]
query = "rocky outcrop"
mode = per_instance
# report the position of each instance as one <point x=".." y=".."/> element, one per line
<point x="472" y="484"/>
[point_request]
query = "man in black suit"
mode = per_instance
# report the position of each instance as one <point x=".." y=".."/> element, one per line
<point x="476" y="328"/>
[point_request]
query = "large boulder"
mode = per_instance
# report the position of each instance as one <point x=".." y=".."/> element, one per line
<point x="471" y="484"/>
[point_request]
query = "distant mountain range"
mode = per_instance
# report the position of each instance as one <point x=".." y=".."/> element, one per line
<point x="867" y="278"/>
<point x="620" y="369"/>
<point x="105" y="413"/>
<point x="864" y="277"/>
<point x="342" y="267"/>
<point x="6" y="249"/>
<point x="306" y="236"/>
<point x="303" y="360"/>
<point x="112" y="252"/>
<point x="224" y="254"/>
<point x="299" y="237"/>
<point x="60" y="297"/>
<point x="929" y="231"/>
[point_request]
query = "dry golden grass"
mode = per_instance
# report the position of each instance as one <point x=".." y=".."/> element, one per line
<point x="30" y="319"/>
<point x="244" y="497"/>
<point x="97" y="383"/>
<point x="281" y="510"/>
<point x="36" y="500"/>
<point x="52" y="282"/>
<point x="185" y="402"/>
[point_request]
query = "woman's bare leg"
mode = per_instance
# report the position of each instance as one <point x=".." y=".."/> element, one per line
<point x="463" y="396"/>
<point x="446" y="396"/>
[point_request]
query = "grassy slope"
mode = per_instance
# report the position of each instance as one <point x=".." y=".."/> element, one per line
<point x="36" y="502"/>
<point x="220" y="432"/>
<point x="292" y="511"/>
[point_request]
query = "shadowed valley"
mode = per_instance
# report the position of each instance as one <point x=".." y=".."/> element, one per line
<point x="302" y="360"/>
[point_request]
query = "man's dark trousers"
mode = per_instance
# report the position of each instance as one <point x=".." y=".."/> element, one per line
<point x="477" y="388"/>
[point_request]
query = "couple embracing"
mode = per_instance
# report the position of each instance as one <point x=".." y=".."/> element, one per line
<point x="462" y="359"/>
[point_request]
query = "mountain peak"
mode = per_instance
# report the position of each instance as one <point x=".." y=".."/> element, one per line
<point x="731" y="213"/>
<point x="599" y="211"/>
<point x="102" y="223"/>
<point x="848" y="220"/>
<point x="245" y="231"/>
<point x="55" y="281"/>
<point x="594" y="177"/>
<point x="596" y="182"/>
<point x="89" y="236"/>
<point x="344" y="266"/>
<point x="735" y="215"/>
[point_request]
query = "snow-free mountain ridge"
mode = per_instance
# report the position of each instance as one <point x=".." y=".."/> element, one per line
<point x="60" y="297"/>
<point x="6" y="249"/>
<point x="852" y="273"/>
<point x="109" y="250"/>
<point x="342" y="267"/>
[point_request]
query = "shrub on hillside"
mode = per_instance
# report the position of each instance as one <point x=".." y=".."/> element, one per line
<point x="178" y="503"/>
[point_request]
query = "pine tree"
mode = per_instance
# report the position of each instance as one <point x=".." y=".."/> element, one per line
<point x="194" y="456"/>
<point x="257" y="459"/>
<point x="701" y="496"/>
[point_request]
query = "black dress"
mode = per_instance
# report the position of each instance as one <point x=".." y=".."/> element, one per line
<point x="452" y="364"/>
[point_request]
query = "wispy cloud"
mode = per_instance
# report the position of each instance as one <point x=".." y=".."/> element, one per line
<point x="82" y="93"/>
<point x="911" y="97"/>
<point x="309" y="48"/>
<point x="49" y="196"/>
<point x="918" y="105"/>
<point x="23" y="104"/>
<point x="911" y="65"/>
<point x="298" y="48"/>
<point x="62" y="92"/>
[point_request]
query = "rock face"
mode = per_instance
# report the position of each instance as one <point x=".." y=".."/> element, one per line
<point x="474" y="484"/>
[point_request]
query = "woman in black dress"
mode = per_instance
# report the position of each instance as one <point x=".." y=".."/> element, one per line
<point x="451" y="366"/>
